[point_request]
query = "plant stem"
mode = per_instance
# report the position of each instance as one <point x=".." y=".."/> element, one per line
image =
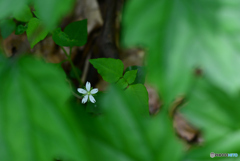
<point x="71" y="63"/>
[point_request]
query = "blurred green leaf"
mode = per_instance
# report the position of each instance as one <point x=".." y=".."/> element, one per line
<point x="130" y="76"/>
<point x="35" y="121"/>
<point x="23" y="15"/>
<point x="138" y="93"/>
<point x="75" y="34"/>
<point x="181" y="36"/>
<point x="122" y="83"/>
<point x="110" y="69"/>
<point x="95" y="108"/>
<point x="217" y="115"/>
<point x="35" y="31"/>
<point x="50" y="12"/>
<point x="21" y="29"/>
<point x="141" y="74"/>
<point x="7" y="7"/>
<point x="124" y="134"/>
<point x="7" y="27"/>
<point x="2" y="59"/>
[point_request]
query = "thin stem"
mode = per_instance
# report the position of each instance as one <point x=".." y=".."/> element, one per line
<point x="71" y="63"/>
<point x="70" y="53"/>
<point x="65" y="52"/>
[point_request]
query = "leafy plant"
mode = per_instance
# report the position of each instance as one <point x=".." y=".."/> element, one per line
<point x="112" y="70"/>
<point x="20" y="29"/>
<point x="141" y="74"/>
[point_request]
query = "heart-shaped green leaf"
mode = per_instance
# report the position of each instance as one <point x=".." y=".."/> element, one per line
<point x="122" y="83"/>
<point x="110" y="69"/>
<point x="141" y="74"/>
<point x="61" y="38"/>
<point x="77" y="31"/>
<point x="130" y="76"/>
<point x="35" y="31"/>
<point x="75" y="34"/>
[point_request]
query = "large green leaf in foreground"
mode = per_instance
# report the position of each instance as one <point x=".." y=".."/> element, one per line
<point x="122" y="133"/>
<point x="7" y="27"/>
<point x="183" y="35"/>
<point x="50" y="12"/>
<point x="139" y="94"/>
<point x="217" y="115"/>
<point x="35" y="124"/>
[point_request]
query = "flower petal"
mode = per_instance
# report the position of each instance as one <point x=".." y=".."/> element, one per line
<point x="94" y="91"/>
<point x="85" y="98"/>
<point x="92" y="99"/>
<point x="83" y="91"/>
<point x="88" y="86"/>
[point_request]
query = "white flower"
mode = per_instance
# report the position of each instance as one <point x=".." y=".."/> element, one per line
<point x="88" y="93"/>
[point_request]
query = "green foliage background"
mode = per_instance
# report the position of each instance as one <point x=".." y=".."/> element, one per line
<point x="38" y="120"/>
<point x="180" y="36"/>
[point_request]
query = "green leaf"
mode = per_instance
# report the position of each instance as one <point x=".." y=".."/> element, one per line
<point x="130" y="76"/>
<point x="10" y="6"/>
<point x="138" y="93"/>
<point x="141" y="74"/>
<point x="134" y="138"/>
<point x="122" y="83"/>
<point x="2" y="60"/>
<point x="35" y="121"/>
<point x="185" y="37"/>
<point x="21" y="29"/>
<point x="7" y="27"/>
<point x="35" y="31"/>
<point x="51" y="12"/>
<point x="75" y="34"/>
<point x="217" y="114"/>
<point x="95" y="108"/>
<point x="24" y="14"/>
<point x="110" y="69"/>
<point x="61" y="38"/>
<point x="77" y="31"/>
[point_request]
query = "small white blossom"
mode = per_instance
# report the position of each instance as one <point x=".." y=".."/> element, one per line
<point x="88" y="93"/>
